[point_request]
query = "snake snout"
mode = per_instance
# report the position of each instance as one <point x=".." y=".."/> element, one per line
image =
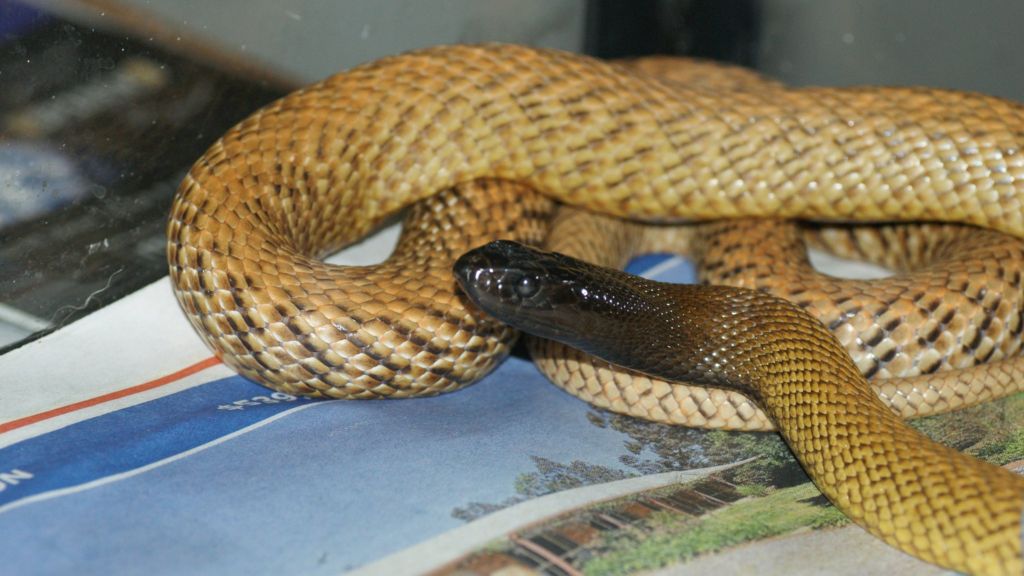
<point x="492" y="280"/>
<point x="544" y="293"/>
<point x="474" y="274"/>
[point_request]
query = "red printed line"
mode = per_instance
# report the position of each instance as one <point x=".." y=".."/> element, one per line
<point x="173" y="377"/>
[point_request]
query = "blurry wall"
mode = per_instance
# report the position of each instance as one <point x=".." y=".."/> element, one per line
<point x="310" y="39"/>
<point x="974" y="45"/>
<point x="953" y="43"/>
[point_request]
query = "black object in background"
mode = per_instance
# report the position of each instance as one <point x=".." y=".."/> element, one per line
<point x="97" y="128"/>
<point x="725" y="30"/>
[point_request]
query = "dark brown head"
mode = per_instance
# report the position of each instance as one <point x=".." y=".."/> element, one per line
<point x="670" y="331"/>
<point x="543" y="293"/>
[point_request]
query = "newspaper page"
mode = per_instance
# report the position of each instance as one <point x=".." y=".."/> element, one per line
<point x="127" y="448"/>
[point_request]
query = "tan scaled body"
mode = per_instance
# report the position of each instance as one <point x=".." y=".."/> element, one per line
<point x="325" y="165"/>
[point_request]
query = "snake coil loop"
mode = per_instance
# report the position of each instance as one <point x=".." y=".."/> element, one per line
<point x="323" y="166"/>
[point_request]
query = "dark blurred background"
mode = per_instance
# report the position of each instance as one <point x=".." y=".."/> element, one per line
<point x="106" y="103"/>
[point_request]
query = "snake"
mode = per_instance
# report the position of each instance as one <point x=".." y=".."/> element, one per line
<point x="858" y="450"/>
<point x="322" y="167"/>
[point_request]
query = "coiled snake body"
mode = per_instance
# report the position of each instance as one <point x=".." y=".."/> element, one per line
<point x="323" y="166"/>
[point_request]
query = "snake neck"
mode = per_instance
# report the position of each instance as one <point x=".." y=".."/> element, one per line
<point x="884" y="475"/>
<point x="856" y="450"/>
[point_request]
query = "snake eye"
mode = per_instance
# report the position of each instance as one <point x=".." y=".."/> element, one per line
<point x="526" y="287"/>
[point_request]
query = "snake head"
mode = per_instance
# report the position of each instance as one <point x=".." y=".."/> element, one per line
<point x="544" y="293"/>
<point x="664" y="330"/>
<point x="506" y="276"/>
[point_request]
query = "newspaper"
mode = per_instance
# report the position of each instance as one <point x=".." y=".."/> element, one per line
<point x="127" y="448"/>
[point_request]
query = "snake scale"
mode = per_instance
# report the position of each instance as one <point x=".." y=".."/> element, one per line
<point x="323" y="166"/>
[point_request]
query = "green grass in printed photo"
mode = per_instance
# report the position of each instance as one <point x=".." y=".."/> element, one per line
<point x="667" y="542"/>
<point x="990" y="431"/>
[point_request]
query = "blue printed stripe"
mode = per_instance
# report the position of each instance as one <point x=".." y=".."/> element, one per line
<point x="140" y="435"/>
<point x="133" y="437"/>
<point x="17" y="18"/>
